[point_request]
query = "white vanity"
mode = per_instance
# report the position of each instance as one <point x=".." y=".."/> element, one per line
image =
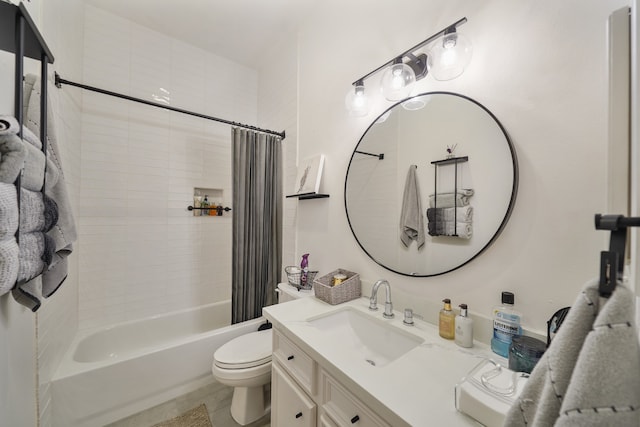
<point x="343" y="365"/>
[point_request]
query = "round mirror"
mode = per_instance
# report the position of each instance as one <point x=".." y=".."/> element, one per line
<point x="431" y="184"/>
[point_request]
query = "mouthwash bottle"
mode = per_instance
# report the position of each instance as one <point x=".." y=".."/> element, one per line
<point x="506" y="325"/>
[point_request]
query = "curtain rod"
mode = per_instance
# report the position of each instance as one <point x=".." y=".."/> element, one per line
<point x="59" y="81"/>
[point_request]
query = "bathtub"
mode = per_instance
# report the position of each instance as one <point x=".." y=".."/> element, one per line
<point x="114" y="372"/>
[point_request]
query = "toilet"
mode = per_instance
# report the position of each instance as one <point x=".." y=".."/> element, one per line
<point x="244" y="363"/>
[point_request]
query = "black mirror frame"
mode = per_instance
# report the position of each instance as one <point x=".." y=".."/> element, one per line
<point x="512" y="201"/>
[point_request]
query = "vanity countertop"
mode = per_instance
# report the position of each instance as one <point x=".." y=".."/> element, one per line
<point x="416" y="389"/>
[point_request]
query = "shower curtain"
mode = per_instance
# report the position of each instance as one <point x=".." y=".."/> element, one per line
<point x="257" y="222"/>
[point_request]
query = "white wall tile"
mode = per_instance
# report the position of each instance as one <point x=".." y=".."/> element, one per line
<point x="143" y="252"/>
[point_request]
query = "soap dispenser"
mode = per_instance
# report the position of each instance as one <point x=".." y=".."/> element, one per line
<point x="446" y="321"/>
<point x="464" y="328"/>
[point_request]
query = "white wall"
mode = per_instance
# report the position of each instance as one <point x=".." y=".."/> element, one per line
<point x="541" y="68"/>
<point x="143" y="253"/>
<point x="278" y="110"/>
<point x="24" y="395"/>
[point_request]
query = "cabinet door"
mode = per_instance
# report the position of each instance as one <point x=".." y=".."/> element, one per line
<point x="290" y="406"/>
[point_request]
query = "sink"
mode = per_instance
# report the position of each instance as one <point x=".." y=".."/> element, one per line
<point x="369" y="339"/>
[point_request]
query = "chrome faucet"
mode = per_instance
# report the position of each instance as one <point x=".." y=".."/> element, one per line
<point x="388" y="306"/>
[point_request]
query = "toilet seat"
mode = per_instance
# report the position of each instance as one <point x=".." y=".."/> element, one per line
<point x="246" y="351"/>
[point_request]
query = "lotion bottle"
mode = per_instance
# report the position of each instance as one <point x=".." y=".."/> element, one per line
<point x="446" y="321"/>
<point x="464" y="328"/>
<point x="506" y="325"/>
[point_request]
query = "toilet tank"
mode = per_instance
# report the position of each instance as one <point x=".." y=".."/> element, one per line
<point x="286" y="292"/>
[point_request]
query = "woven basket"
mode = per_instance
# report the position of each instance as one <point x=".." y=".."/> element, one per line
<point x="346" y="291"/>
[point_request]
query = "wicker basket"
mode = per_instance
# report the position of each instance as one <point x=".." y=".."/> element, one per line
<point x="346" y="291"/>
<point x="294" y="275"/>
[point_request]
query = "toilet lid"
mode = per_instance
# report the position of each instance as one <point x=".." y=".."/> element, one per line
<point x="245" y="351"/>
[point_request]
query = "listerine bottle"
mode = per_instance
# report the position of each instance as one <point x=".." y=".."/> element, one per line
<point x="506" y="325"/>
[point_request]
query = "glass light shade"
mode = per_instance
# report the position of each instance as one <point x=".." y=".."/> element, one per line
<point x="357" y="102"/>
<point x="397" y="81"/>
<point x="449" y="56"/>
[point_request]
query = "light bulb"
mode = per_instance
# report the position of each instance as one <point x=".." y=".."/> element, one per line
<point x="397" y="81"/>
<point x="449" y="56"/>
<point x="357" y="101"/>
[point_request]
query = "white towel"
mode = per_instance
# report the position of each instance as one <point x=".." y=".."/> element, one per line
<point x="450" y="199"/>
<point x="8" y="211"/>
<point x="12" y="156"/>
<point x="589" y="376"/>
<point x="8" y="125"/>
<point x="411" y="222"/>
<point x="9" y="264"/>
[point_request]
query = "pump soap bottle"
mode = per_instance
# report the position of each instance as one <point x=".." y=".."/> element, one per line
<point x="464" y="328"/>
<point x="446" y="321"/>
<point x="506" y="325"/>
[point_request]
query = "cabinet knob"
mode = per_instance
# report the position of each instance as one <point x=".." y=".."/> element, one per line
<point x="290" y="357"/>
<point x="355" y="419"/>
<point x="299" y="414"/>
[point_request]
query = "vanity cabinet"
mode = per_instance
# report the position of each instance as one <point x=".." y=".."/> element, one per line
<point x="303" y="394"/>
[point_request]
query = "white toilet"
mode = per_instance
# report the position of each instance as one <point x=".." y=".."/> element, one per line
<point x="245" y="364"/>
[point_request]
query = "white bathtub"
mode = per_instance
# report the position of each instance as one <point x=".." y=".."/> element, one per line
<point x="117" y="371"/>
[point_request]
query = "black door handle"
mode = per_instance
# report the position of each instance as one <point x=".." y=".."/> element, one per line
<point x="299" y="414"/>
<point x="355" y="419"/>
<point x="290" y="357"/>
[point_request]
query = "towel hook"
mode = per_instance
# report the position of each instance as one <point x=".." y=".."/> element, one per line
<point x="612" y="261"/>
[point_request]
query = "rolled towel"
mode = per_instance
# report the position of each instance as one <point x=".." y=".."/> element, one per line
<point x="12" y="157"/>
<point x="8" y="125"/>
<point x="463" y="230"/>
<point x="31" y="138"/>
<point x="463" y="214"/>
<point x="38" y="212"/>
<point x="9" y="264"/>
<point x="8" y="211"/>
<point x="36" y="252"/>
<point x="33" y="175"/>
<point x="450" y="200"/>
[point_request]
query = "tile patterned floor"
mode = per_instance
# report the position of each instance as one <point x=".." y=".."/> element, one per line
<point x="216" y="396"/>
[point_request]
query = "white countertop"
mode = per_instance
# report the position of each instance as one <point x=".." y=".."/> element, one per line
<point x="417" y="389"/>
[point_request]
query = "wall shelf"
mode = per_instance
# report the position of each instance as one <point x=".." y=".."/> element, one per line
<point x="308" y="196"/>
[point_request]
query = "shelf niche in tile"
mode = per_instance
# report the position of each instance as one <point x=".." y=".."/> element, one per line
<point x="215" y="196"/>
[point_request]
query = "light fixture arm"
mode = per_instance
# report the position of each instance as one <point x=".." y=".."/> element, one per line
<point x="409" y="52"/>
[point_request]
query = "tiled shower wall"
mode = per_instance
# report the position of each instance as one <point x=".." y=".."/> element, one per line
<point x="142" y="252"/>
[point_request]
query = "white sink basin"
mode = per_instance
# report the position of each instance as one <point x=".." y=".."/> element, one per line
<point x="364" y="337"/>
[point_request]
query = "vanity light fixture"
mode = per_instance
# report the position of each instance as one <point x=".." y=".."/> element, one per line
<point x="447" y="59"/>
<point x="357" y="100"/>
<point x="449" y="56"/>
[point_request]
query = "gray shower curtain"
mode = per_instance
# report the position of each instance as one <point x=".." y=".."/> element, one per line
<point x="257" y="222"/>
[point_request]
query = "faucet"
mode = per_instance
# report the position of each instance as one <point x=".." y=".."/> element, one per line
<point x="388" y="306"/>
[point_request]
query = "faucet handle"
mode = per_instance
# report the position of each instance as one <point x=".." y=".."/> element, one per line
<point x="408" y="317"/>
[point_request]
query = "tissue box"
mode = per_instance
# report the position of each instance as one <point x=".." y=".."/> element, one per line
<point x="349" y="289"/>
<point x="488" y="391"/>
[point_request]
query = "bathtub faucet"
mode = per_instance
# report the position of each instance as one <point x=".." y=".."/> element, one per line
<point x="388" y="306"/>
